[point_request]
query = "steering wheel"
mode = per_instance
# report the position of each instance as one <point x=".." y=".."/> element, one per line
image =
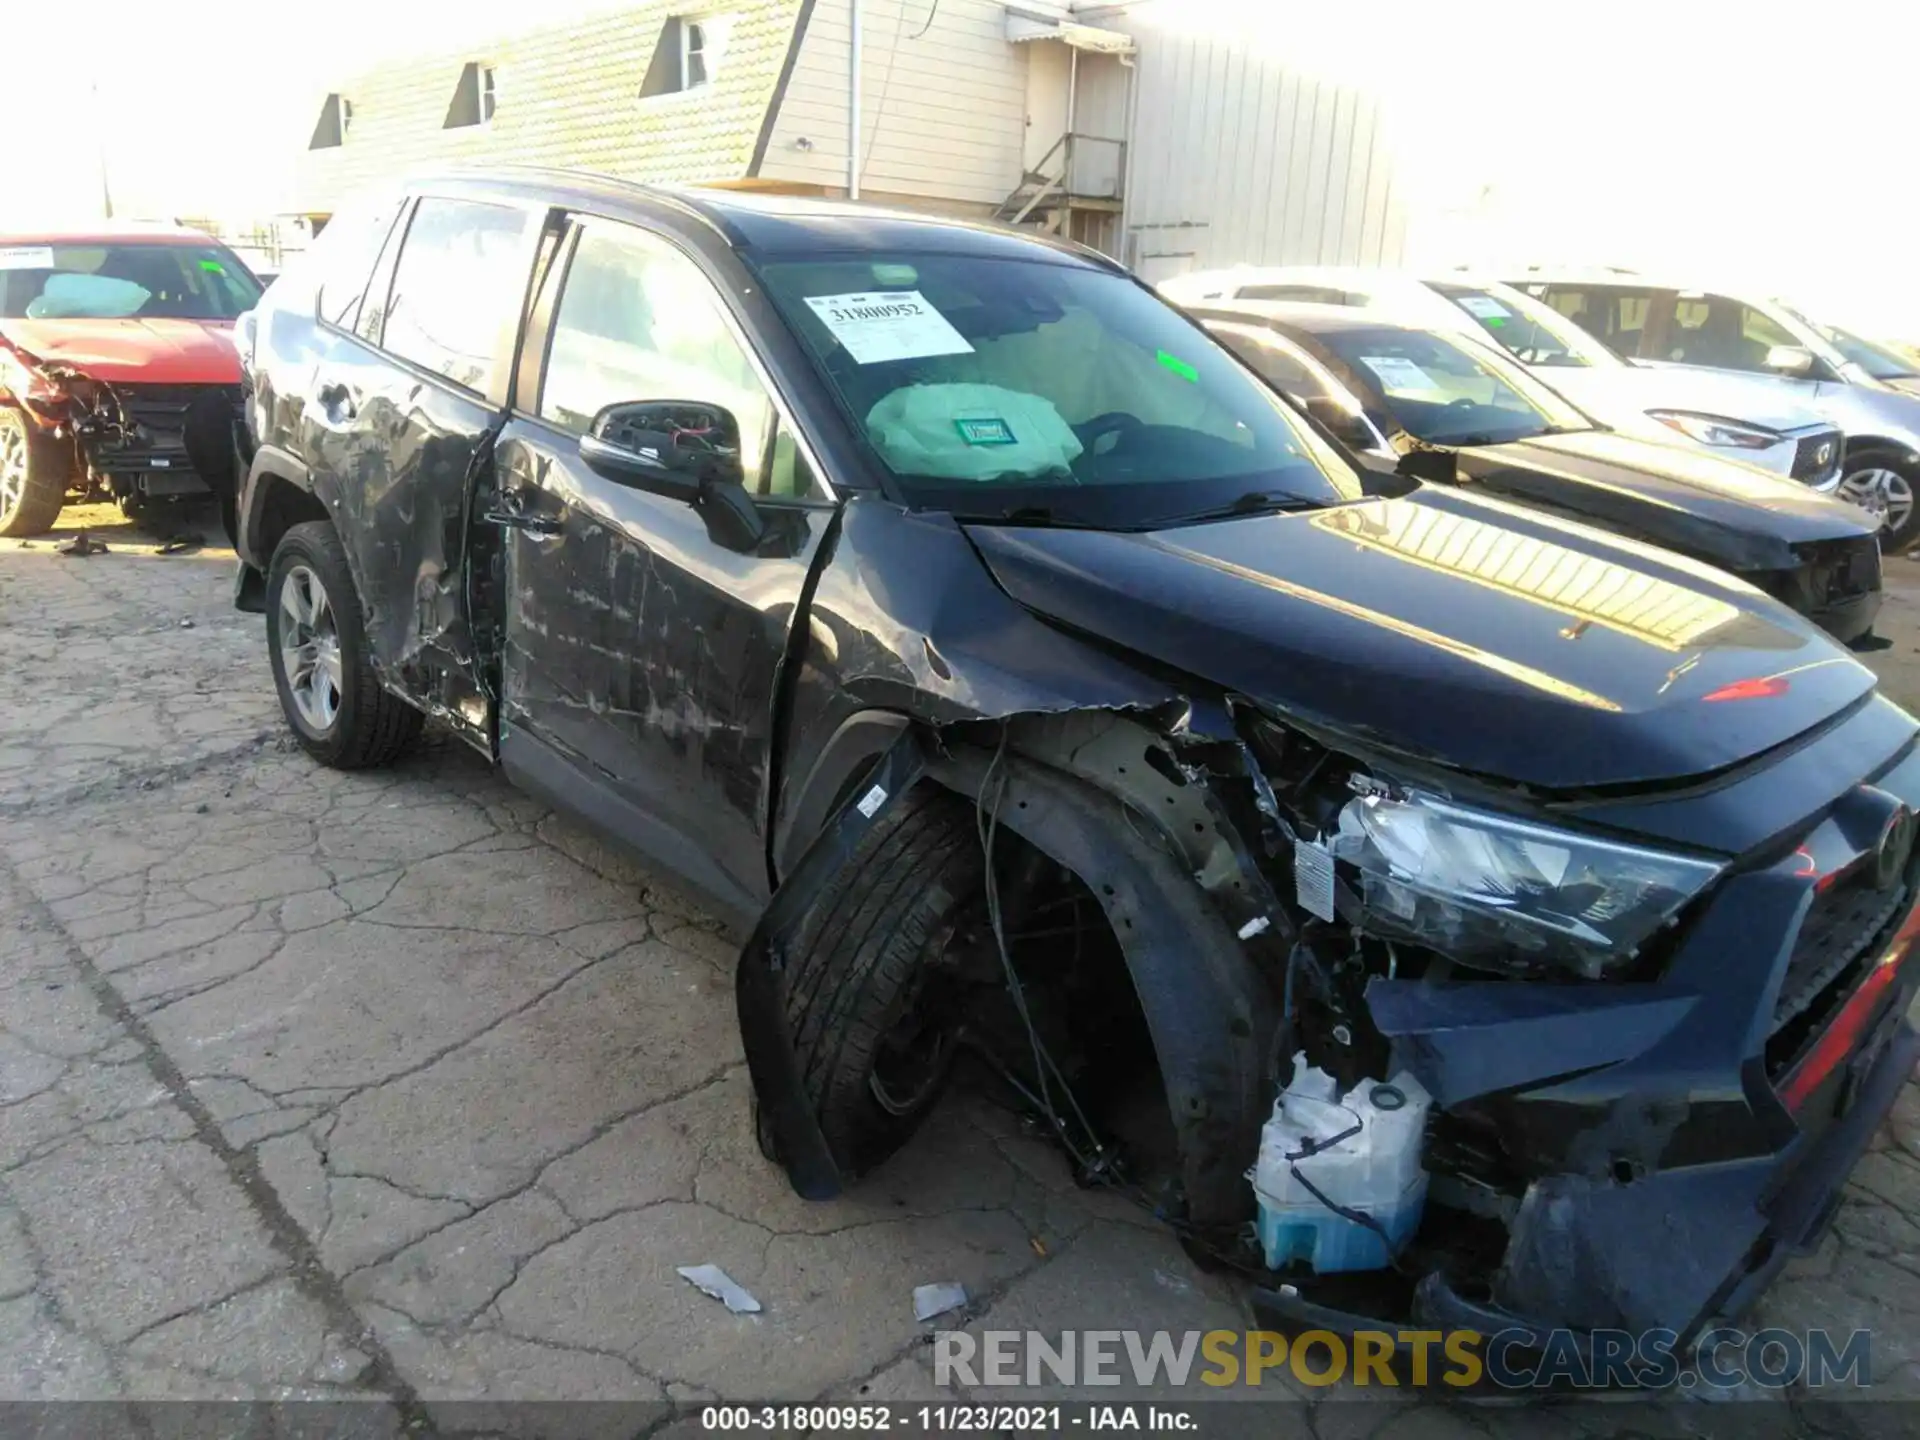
<point x="1117" y="423"/>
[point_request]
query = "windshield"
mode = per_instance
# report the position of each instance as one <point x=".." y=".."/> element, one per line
<point x="118" y="282"/>
<point x="1880" y="361"/>
<point x="1450" y="392"/>
<point x="988" y="386"/>
<point x="1532" y="333"/>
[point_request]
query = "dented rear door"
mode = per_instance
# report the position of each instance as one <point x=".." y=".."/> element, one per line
<point x="400" y="417"/>
<point x="641" y="655"/>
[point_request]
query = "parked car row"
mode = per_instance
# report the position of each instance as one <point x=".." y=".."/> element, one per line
<point x="1751" y="379"/>
<point x="1276" y="706"/>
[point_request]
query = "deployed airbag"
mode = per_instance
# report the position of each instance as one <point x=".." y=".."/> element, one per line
<point x="971" y="432"/>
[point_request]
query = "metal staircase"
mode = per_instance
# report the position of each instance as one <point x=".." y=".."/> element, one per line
<point x="1074" y="192"/>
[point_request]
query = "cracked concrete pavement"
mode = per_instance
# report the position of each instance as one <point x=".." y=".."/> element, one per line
<point x="395" y="1086"/>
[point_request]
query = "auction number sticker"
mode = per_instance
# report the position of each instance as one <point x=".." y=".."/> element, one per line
<point x="1398" y="375"/>
<point x="1484" y="307"/>
<point x="26" y="257"/>
<point x="881" y="325"/>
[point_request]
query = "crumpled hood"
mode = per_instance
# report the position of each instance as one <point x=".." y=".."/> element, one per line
<point x="1755" y="399"/>
<point x="1734" y="514"/>
<point x="1476" y="634"/>
<point x="138" y="351"/>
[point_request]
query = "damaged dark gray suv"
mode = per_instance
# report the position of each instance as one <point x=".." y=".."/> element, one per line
<point x="1049" y="700"/>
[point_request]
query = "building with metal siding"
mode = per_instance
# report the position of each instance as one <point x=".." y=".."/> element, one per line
<point x="1114" y="124"/>
<point x="1239" y="158"/>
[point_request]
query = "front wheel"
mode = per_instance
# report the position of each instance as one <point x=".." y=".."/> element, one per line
<point x="1884" y="486"/>
<point x="33" y="477"/>
<point x="317" y="643"/>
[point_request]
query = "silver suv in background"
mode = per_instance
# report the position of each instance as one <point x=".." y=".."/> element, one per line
<point x="1733" y="417"/>
<point x="1679" y="328"/>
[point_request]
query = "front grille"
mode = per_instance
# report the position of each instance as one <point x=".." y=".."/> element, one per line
<point x="168" y="420"/>
<point x="1845" y="929"/>
<point x="1839" y="570"/>
<point x="1816" y="457"/>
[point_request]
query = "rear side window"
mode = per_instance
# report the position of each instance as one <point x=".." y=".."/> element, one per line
<point x="344" y="254"/>
<point x="457" y="289"/>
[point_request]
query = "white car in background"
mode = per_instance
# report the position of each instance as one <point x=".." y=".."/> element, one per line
<point x="1678" y="327"/>
<point x="1735" y="417"/>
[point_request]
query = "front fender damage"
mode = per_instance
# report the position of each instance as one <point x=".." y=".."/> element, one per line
<point x="1597" y="1154"/>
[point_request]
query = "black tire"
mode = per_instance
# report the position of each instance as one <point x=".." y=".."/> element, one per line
<point x="1893" y="541"/>
<point x="866" y="949"/>
<point x="43" y="489"/>
<point x="370" y="725"/>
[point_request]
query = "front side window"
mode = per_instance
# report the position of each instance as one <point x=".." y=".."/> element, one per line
<point x="123" y="282"/>
<point x="991" y="385"/>
<point x="1719" y="331"/>
<point x="1450" y="392"/>
<point x="638" y="321"/>
<point x="457" y="288"/>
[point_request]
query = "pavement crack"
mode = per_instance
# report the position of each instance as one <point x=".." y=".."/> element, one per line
<point x="310" y="1272"/>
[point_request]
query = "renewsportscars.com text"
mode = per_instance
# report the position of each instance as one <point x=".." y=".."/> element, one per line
<point x="1725" y="1359"/>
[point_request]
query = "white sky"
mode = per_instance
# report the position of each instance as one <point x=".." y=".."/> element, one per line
<point x="1765" y="141"/>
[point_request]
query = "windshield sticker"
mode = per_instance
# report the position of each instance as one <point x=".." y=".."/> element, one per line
<point x="1397" y="374"/>
<point x="1179" y="367"/>
<point x="1483" y="307"/>
<point x="991" y="431"/>
<point x="882" y="325"/>
<point x="213" y="267"/>
<point x="26" y="257"/>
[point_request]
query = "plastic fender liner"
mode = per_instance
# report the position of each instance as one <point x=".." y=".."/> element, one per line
<point x="788" y="1127"/>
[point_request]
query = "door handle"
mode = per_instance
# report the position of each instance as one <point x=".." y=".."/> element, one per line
<point x="338" y="401"/>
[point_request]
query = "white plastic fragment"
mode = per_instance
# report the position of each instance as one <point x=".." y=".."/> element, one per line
<point x="1254" y="927"/>
<point x="932" y="1300"/>
<point x="714" y="1281"/>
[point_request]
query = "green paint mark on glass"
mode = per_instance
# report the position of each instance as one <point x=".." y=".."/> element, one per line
<point x="1494" y="322"/>
<point x="213" y="267"/>
<point x="1179" y="367"/>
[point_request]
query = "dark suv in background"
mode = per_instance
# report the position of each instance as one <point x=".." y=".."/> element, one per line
<point x="1037" y="689"/>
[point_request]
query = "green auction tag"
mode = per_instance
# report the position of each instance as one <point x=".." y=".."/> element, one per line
<point x="985" y="432"/>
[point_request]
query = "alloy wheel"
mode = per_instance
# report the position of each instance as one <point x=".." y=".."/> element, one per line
<point x="13" y="470"/>
<point x="1880" y="491"/>
<point x="310" y="648"/>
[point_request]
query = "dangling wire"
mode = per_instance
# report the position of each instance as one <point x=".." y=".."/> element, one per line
<point x="987" y="824"/>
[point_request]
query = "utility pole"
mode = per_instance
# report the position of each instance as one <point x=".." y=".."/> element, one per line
<point x="853" y="101"/>
<point x="100" y="145"/>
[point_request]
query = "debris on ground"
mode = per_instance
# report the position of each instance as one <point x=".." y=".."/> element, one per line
<point x="186" y="623"/>
<point x="179" y="544"/>
<point x="1039" y="1246"/>
<point x="932" y="1300"/>
<point x="721" y="1286"/>
<point x="81" y="545"/>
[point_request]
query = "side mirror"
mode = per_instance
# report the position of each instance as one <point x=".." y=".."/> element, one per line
<point x="1439" y="467"/>
<point x="1790" y="359"/>
<point x="665" y="447"/>
<point x="684" y="450"/>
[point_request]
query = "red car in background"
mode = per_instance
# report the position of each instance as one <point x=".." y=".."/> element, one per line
<point x="118" y="373"/>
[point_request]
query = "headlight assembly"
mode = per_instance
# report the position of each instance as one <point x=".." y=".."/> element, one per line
<point x="1721" y="434"/>
<point x="1504" y="894"/>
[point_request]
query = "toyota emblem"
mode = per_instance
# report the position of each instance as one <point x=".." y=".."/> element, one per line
<point x="1890" y="857"/>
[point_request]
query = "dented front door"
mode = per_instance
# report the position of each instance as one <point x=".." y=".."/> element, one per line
<point x="640" y="651"/>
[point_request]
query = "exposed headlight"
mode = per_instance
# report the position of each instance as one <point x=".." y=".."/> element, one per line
<point x="1504" y="894"/>
<point x="1709" y="430"/>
